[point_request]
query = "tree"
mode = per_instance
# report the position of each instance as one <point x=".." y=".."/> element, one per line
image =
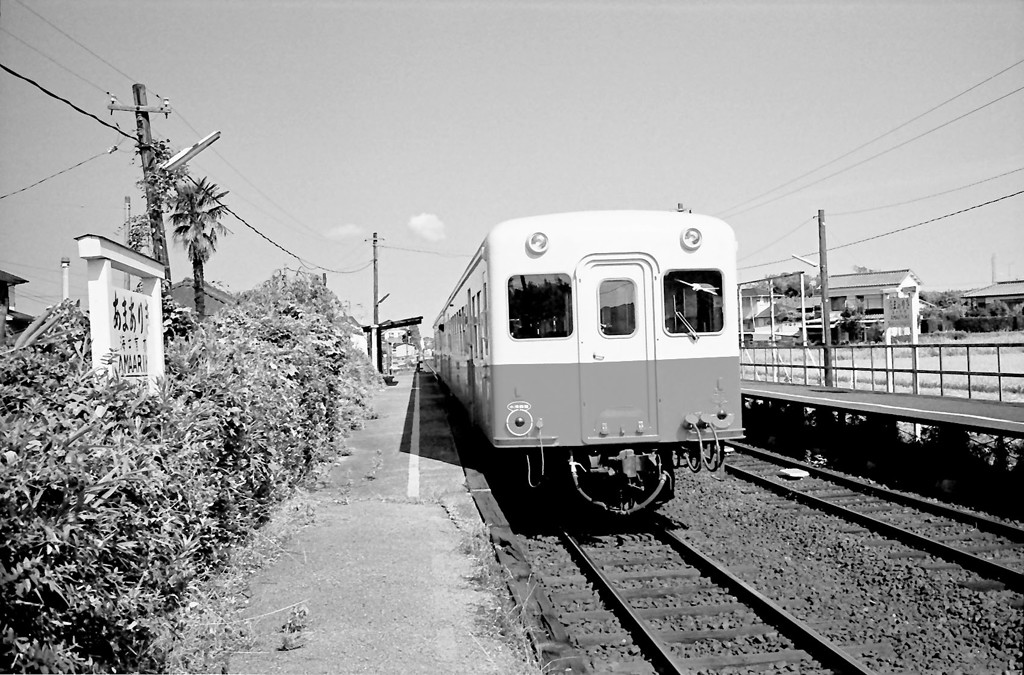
<point x="196" y="211"/>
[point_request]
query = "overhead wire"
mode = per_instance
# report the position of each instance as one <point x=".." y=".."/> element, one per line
<point x="228" y="209"/>
<point x="64" y="100"/>
<point x="179" y="115"/>
<point x="70" y="37"/>
<point x="420" y="250"/>
<point x="864" y="145"/>
<point x="253" y="185"/>
<point x="776" y="240"/>
<point x="279" y="246"/>
<point x="919" y="199"/>
<point x="888" y="232"/>
<point x="876" y="155"/>
<point x="39" y="182"/>
<point x="55" y="61"/>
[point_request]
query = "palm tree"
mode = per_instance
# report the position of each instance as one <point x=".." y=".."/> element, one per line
<point x="196" y="211"/>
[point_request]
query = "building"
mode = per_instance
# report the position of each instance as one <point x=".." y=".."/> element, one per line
<point x="867" y="291"/>
<point x="863" y="292"/>
<point x="14" y="321"/>
<point x="183" y="293"/>
<point x="1009" y="292"/>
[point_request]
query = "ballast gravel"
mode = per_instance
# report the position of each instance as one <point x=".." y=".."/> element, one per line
<point x="913" y="612"/>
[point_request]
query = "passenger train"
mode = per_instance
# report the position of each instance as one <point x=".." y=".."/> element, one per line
<point x="599" y="347"/>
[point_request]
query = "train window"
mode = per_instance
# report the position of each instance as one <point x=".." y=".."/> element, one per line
<point x="618" y="307"/>
<point x="539" y="306"/>
<point x="694" y="302"/>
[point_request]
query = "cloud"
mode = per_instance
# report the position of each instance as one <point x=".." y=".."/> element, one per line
<point x="344" y="231"/>
<point x="428" y="226"/>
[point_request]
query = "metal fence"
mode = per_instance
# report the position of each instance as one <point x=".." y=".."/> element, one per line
<point x="992" y="371"/>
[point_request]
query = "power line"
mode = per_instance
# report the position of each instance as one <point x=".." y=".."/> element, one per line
<point x="919" y="199"/>
<point x="879" y="154"/>
<point x="55" y="61"/>
<point x="227" y="208"/>
<point x="420" y="250"/>
<point x="179" y="115"/>
<point x="64" y="100"/>
<point x="38" y="182"/>
<point x="777" y="240"/>
<point x="888" y="233"/>
<point x="68" y="36"/>
<point x="253" y="185"/>
<point x="864" y="145"/>
<point x="909" y="227"/>
<point x="279" y="246"/>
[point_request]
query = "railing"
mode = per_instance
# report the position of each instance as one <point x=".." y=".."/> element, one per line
<point x="993" y="371"/>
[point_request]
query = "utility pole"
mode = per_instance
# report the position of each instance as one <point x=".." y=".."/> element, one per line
<point x="826" y="305"/>
<point x="377" y="338"/>
<point x="144" y="134"/>
<point x="376" y="310"/>
<point x="127" y="236"/>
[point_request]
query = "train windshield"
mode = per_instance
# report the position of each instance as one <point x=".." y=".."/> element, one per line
<point x="539" y="306"/>
<point x="693" y="302"/>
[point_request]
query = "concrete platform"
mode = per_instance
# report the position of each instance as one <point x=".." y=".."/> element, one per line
<point x="988" y="417"/>
<point x="383" y="570"/>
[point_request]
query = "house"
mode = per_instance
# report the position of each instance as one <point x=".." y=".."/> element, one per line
<point x="183" y="293"/>
<point x="867" y="291"/>
<point x="863" y="292"/>
<point x="14" y="321"/>
<point x="1009" y="292"/>
<point x="756" y="308"/>
<point x="354" y="330"/>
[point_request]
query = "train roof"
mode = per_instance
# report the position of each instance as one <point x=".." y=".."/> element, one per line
<point x="631" y="224"/>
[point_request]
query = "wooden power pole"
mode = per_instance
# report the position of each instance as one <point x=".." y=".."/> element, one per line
<point x="826" y="304"/>
<point x="144" y="134"/>
<point x="378" y="341"/>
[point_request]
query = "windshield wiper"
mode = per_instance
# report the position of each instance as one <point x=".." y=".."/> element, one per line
<point x="690" y="331"/>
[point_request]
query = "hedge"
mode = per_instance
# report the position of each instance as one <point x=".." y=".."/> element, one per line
<point x="114" y="502"/>
<point x="989" y="324"/>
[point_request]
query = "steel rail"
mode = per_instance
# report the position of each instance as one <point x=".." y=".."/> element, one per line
<point x="660" y="653"/>
<point x="980" y="521"/>
<point x="803" y="635"/>
<point x="1012" y="578"/>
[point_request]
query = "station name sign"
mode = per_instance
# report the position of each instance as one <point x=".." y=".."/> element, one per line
<point x="126" y="325"/>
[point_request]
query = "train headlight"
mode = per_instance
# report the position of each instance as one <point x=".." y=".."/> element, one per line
<point x="691" y="239"/>
<point x="537" y="243"/>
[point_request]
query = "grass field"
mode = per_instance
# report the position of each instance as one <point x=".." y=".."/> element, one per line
<point x="978" y="366"/>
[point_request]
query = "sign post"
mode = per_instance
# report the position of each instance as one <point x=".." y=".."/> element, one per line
<point x="127" y="327"/>
<point x="901" y="318"/>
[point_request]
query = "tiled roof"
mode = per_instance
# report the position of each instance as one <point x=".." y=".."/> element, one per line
<point x="209" y="290"/>
<point x="862" y="279"/>
<point x="10" y="279"/>
<point x="995" y="290"/>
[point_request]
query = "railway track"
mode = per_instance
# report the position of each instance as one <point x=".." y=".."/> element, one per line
<point x="991" y="548"/>
<point x="651" y="601"/>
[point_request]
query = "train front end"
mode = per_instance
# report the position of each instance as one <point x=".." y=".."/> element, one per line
<point x="613" y="349"/>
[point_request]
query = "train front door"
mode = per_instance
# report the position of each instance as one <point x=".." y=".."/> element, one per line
<point x="618" y="390"/>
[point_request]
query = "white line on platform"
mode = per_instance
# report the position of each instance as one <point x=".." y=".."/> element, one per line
<point x="812" y="399"/>
<point x="412" y="490"/>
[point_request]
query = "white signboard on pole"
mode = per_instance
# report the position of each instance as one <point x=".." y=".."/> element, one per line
<point x="899" y="312"/>
<point x="126" y="326"/>
<point x="130" y="326"/>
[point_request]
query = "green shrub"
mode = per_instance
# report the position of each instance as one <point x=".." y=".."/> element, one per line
<point x="114" y="500"/>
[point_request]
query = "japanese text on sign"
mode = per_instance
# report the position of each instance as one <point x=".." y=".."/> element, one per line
<point x="898" y="311"/>
<point x="130" y="323"/>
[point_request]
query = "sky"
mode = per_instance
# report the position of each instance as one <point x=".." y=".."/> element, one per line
<point x="428" y="122"/>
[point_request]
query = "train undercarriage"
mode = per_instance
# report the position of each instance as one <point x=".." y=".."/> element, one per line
<point x="625" y="480"/>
